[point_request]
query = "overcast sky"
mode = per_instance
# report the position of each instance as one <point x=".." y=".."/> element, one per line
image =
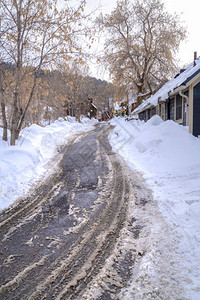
<point x="189" y="12"/>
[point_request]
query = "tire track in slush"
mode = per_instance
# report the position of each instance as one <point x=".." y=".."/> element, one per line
<point x="90" y="260"/>
<point x="66" y="271"/>
<point x="42" y="193"/>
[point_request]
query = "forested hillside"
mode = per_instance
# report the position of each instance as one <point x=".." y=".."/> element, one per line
<point x="55" y="93"/>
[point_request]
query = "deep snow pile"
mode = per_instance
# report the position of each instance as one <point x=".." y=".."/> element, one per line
<point x="169" y="159"/>
<point x="24" y="164"/>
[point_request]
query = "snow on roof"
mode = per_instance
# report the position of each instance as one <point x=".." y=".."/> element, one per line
<point x="94" y="105"/>
<point x="116" y="106"/>
<point x="171" y="85"/>
<point x="131" y="100"/>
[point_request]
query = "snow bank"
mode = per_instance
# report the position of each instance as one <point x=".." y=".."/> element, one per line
<point x="169" y="158"/>
<point x="22" y="165"/>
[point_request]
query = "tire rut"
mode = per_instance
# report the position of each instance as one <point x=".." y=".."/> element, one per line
<point x="66" y="271"/>
<point x="25" y="207"/>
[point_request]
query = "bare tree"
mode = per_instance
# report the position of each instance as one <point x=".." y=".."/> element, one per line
<point x="34" y="35"/>
<point x="3" y="87"/>
<point x="140" y="46"/>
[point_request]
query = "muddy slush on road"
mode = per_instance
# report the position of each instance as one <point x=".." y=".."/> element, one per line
<point x="69" y="239"/>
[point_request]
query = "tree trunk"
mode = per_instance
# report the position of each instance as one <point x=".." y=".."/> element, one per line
<point x="3" y="107"/>
<point x="140" y="93"/>
<point x="16" y="114"/>
<point x="14" y="125"/>
<point x="5" y="124"/>
<point x="23" y="115"/>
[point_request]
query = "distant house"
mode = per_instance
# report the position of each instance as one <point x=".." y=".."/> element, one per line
<point x="93" y="110"/>
<point x="131" y="104"/>
<point x="177" y="100"/>
<point x="83" y="106"/>
<point x="119" y="108"/>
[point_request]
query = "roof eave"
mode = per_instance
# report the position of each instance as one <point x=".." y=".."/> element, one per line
<point x="149" y="105"/>
<point x="177" y="90"/>
<point x="192" y="78"/>
<point x="160" y="100"/>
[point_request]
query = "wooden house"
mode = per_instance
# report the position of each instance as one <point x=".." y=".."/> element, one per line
<point x="93" y="110"/>
<point x="177" y="100"/>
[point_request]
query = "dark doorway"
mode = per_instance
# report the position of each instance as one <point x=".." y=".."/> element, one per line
<point x="196" y="110"/>
<point x="170" y="109"/>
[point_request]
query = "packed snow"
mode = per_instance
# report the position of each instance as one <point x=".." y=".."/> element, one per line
<point x="23" y="165"/>
<point x="168" y="156"/>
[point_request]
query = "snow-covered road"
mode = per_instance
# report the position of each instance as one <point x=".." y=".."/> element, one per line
<point x="164" y="224"/>
<point x="26" y="164"/>
<point x="66" y="240"/>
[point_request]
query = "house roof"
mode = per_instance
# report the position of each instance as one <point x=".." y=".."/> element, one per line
<point x="116" y="106"/>
<point x="180" y="79"/>
<point x="93" y="105"/>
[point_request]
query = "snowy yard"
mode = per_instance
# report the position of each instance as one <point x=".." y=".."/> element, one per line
<point x="169" y="159"/>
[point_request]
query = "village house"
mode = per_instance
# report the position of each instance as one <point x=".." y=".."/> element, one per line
<point x="93" y="110"/>
<point x="119" y="108"/>
<point x="177" y="100"/>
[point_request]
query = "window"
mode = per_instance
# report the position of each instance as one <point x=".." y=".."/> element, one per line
<point x="153" y="111"/>
<point x="142" y="115"/>
<point x="171" y="109"/>
<point x="179" y="107"/>
<point x="148" y="114"/>
<point x="160" y="110"/>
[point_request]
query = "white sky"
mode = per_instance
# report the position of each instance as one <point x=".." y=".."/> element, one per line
<point x="189" y="13"/>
